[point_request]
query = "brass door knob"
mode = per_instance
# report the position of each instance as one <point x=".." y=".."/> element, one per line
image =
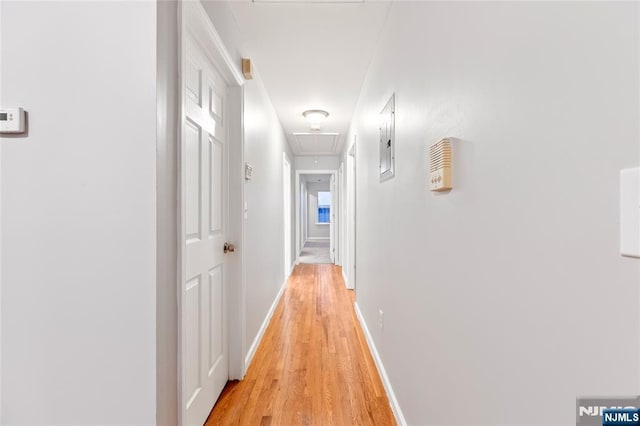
<point x="229" y="248"/>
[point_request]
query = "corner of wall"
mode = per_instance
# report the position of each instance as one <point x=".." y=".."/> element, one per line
<point x="167" y="97"/>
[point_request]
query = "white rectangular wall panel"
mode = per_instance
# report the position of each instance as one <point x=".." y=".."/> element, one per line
<point x="215" y="184"/>
<point x="216" y="321"/>
<point x="630" y="212"/>
<point x="194" y="83"/>
<point x="193" y="194"/>
<point x="192" y="328"/>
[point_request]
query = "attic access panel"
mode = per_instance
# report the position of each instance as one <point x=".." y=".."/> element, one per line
<point x="387" y="140"/>
<point x="308" y="1"/>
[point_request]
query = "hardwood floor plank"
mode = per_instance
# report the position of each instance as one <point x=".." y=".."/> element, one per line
<point x="313" y="366"/>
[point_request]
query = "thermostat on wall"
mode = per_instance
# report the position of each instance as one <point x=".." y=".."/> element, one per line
<point x="440" y="170"/>
<point x="11" y="120"/>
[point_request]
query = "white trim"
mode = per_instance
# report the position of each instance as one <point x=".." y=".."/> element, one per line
<point x="286" y="213"/>
<point x="318" y="238"/>
<point x="167" y="215"/>
<point x="238" y="295"/>
<point x="395" y="407"/>
<point x="346" y="281"/>
<point x="349" y="215"/>
<point x="341" y="210"/>
<point x="205" y="34"/>
<point x="317" y="172"/>
<point x="265" y="324"/>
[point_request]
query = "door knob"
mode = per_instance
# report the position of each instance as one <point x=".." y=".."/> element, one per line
<point x="229" y="248"/>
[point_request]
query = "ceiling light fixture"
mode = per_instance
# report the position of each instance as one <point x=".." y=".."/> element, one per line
<point x="315" y="117"/>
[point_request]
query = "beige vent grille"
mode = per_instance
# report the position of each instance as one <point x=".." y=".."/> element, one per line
<point x="440" y="169"/>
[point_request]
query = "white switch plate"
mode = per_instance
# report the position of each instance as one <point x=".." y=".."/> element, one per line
<point x="11" y="120"/>
<point x="630" y="212"/>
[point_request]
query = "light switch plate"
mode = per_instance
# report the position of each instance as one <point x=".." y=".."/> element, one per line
<point x="12" y="120"/>
<point x="630" y="212"/>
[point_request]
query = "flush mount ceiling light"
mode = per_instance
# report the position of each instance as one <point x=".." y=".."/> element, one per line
<point x="315" y="117"/>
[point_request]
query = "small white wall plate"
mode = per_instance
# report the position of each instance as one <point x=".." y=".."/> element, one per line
<point x="12" y="120"/>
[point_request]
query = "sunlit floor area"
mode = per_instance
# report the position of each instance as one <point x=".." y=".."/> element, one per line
<point x="313" y="366"/>
<point x="315" y="252"/>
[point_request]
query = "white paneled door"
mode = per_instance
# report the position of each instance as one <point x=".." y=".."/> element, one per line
<point x="204" y="363"/>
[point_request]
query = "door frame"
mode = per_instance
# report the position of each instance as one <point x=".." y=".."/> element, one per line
<point x="286" y="213"/>
<point x="334" y="173"/>
<point x="340" y="259"/>
<point x="350" y="188"/>
<point x="195" y="26"/>
<point x="333" y="219"/>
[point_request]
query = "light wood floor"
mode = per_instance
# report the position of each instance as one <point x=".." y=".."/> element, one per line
<point x="313" y="366"/>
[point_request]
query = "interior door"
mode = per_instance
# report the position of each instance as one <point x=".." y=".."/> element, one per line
<point x="204" y="336"/>
<point x="332" y="220"/>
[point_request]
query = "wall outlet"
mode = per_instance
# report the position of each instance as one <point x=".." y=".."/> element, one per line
<point x="381" y="319"/>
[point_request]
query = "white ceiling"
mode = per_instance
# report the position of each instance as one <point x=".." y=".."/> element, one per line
<point x="311" y="56"/>
<point x="316" y="178"/>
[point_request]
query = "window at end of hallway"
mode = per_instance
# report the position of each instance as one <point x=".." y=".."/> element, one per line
<point x="324" y="207"/>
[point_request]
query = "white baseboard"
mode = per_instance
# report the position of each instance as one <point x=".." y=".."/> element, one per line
<point x="263" y="327"/>
<point x="346" y="281"/>
<point x="395" y="407"/>
<point x="293" y="265"/>
<point x="318" y="239"/>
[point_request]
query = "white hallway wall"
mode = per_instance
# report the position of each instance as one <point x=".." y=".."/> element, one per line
<point x="506" y="289"/>
<point x="78" y="213"/>
<point x="264" y="144"/>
